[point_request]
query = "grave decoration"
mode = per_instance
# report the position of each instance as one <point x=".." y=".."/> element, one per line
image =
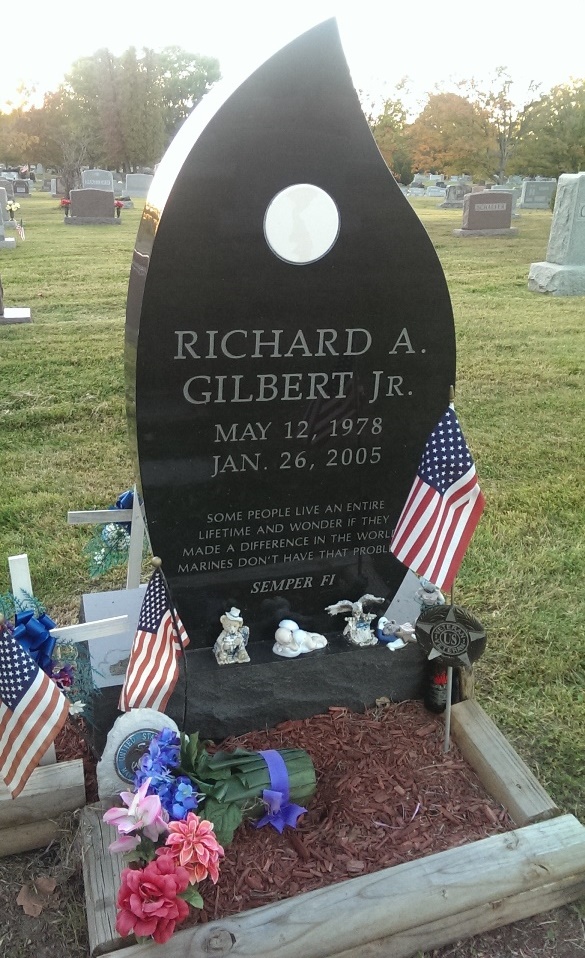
<point x="186" y="804"/>
<point x="110" y="544"/>
<point x="58" y="659"/>
<point x="230" y="645"/>
<point x="290" y="640"/>
<point x="450" y="635"/>
<point x="12" y="206"/>
<point x="358" y="621"/>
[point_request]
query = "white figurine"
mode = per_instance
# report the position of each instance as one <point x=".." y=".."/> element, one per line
<point x="291" y="640"/>
<point x="358" y="628"/>
<point x="429" y="596"/>
<point x="230" y="645"/>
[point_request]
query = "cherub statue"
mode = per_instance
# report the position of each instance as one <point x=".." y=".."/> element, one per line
<point x="428" y="596"/>
<point x="291" y="640"/>
<point x="230" y="645"/>
<point x="358" y="628"/>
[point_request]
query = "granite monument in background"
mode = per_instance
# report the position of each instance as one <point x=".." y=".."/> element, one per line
<point x="563" y="272"/>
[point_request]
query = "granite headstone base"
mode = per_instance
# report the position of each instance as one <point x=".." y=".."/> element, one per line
<point x="556" y="280"/>
<point x="8" y="243"/>
<point x="502" y="232"/>
<point x="225" y="700"/>
<point x="92" y="220"/>
<point x="15" y="314"/>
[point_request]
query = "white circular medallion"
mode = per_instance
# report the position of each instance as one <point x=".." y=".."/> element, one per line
<point x="301" y="224"/>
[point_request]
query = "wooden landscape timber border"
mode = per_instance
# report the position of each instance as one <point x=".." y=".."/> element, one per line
<point x="396" y="911"/>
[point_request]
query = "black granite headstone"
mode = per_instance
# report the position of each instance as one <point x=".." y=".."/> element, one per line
<point x="289" y="348"/>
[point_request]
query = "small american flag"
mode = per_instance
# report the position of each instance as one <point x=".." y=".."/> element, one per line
<point x="153" y="668"/>
<point x="443" y="507"/>
<point x="20" y="230"/>
<point x="33" y="711"/>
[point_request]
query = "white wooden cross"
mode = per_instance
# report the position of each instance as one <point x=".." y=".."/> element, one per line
<point x="84" y="632"/>
<point x="137" y="531"/>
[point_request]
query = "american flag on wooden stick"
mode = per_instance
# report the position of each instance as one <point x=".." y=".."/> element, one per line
<point x="153" y="668"/>
<point x="442" y="509"/>
<point x="33" y="711"/>
<point x="20" y="230"/>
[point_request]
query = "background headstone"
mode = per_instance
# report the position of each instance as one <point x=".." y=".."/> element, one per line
<point x="486" y="214"/>
<point x="8" y="185"/>
<point x="563" y="273"/>
<point x="537" y="194"/>
<point x="21" y="189"/>
<point x="455" y="194"/>
<point x="97" y="180"/>
<point x="91" y="206"/>
<point x="138" y="184"/>
<point x="3" y="202"/>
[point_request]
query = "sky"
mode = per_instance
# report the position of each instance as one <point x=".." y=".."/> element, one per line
<point x="428" y="42"/>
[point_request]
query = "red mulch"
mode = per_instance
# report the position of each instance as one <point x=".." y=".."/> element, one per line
<point x="386" y="793"/>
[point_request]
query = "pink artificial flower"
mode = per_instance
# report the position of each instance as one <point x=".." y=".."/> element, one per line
<point x="143" y="812"/>
<point x="193" y="845"/>
<point x="127" y="843"/>
<point x="148" y="902"/>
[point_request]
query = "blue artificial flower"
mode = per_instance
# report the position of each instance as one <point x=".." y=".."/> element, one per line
<point x="162" y="756"/>
<point x="179" y="798"/>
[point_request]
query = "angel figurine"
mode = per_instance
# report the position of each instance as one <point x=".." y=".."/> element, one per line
<point x="230" y="645"/>
<point x="358" y="628"/>
<point x="291" y="640"/>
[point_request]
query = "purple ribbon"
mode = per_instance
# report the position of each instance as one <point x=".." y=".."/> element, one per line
<point x="280" y="811"/>
<point x="34" y="636"/>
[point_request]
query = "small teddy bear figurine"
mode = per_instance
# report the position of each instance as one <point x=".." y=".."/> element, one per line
<point x="230" y="645"/>
<point x="429" y="596"/>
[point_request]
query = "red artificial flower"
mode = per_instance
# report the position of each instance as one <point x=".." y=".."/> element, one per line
<point x="148" y="899"/>
<point x="118" y="204"/>
<point x="65" y="202"/>
<point x="193" y="845"/>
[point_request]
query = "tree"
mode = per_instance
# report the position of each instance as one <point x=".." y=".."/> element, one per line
<point x="553" y="137"/>
<point x="184" y="79"/>
<point x="122" y="112"/>
<point x="449" y="136"/>
<point x="503" y="123"/>
<point x="389" y="130"/>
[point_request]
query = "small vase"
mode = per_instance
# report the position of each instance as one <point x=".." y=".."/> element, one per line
<point x="118" y="212"/>
<point x="11" y="214"/>
<point x="66" y="208"/>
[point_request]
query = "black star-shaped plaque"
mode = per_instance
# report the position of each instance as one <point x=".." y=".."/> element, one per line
<point x="450" y="635"/>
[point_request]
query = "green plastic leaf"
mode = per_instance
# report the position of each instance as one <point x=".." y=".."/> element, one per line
<point x="225" y="818"/>
<point x="192" y="896"/>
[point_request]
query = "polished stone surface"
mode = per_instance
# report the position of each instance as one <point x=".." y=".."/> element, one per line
<point x="290" y="346"/>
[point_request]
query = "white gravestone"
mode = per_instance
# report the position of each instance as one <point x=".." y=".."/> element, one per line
<point x="563" y="272"/>
<point x="138" y="184"/>
<point x="97" y="180"/>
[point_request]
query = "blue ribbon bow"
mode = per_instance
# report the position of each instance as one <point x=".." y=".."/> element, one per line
<point x="124" y="501"/>
<point x="35" y="638"/>
<point x="280" y="811"/>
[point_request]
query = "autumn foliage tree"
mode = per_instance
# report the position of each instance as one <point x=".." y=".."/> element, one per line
<point x="449" y="136"/>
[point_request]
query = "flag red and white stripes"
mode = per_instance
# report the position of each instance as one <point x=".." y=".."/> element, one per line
<point x="33" y="711"/>
<point x="442" y="509"/>
<point x="153" y="668"/>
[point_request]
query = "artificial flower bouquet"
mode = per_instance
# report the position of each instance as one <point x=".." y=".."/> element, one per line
<point x="186" y="806"/>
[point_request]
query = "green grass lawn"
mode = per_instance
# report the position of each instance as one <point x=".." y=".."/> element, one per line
<point x="520" y="388"/>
